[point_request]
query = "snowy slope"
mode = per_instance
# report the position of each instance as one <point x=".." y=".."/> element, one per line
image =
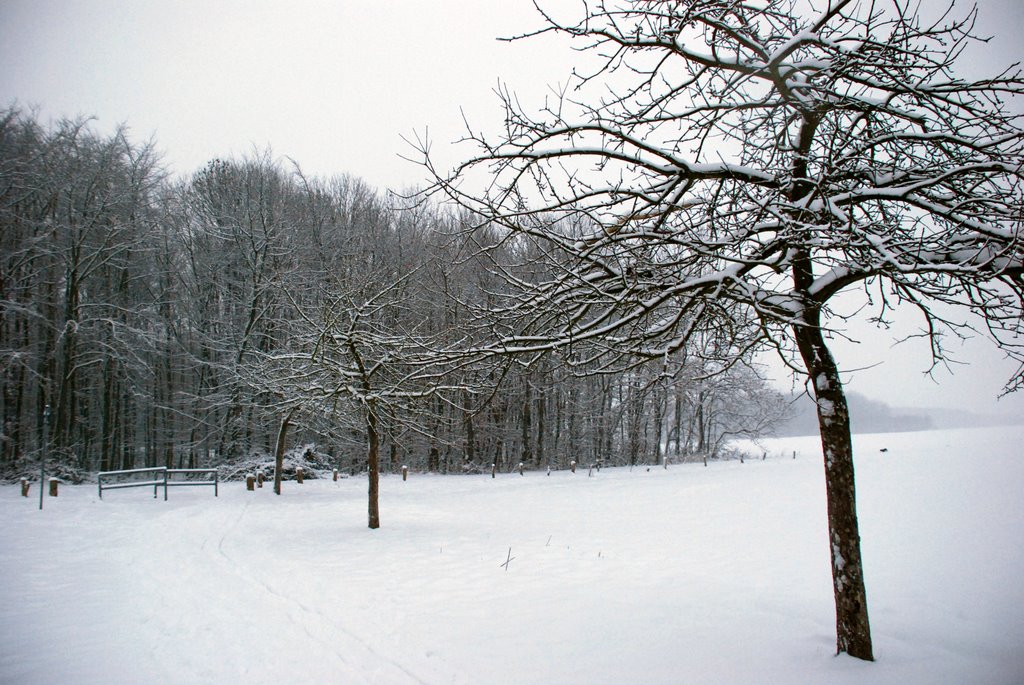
<point x="686" y="575"/>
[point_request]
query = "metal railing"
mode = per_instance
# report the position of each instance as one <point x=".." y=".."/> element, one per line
<point x="158" y="476"/>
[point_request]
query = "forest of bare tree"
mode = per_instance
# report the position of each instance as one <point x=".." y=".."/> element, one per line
<point x="186" y="321"/>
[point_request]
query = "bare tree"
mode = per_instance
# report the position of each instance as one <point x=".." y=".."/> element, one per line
<point x="77" y="213"/>
<point x="732" y="167"/>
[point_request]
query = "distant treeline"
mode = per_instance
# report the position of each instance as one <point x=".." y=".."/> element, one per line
<point x="185" y="321"/>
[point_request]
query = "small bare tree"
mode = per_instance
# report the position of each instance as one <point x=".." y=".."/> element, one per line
<point x="733" y="166"/>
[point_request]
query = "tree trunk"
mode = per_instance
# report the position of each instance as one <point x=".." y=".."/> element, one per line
<point x="469" y="428"/>
<point x="526" y="450"/>
<point x="701" y="444"/>
<point x="853" y="632"/>
<point x="538" y="454"/>
<point x="279" y="450"/>
<point x="658" y="409"/>
<point x="373" y="463"/>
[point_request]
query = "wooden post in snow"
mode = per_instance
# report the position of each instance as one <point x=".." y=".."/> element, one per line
<point x="300" y="475"/>
<point x="335" y="475"/>
<point x="494" y="470"/>
<point x="572" y="466"/>
<point x="250" y="482"/>
<point x="405" y="473"/>
<point x="24" y="487"/>
<point x="53" y="487"/>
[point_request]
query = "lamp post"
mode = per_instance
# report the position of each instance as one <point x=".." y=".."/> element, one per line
<point x="45" y="453"/>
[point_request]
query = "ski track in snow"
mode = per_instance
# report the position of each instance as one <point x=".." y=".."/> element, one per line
<point x="687" y="575"/>
<point x="311" y="620"/>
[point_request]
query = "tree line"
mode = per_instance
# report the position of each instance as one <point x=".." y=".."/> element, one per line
<point x="196" y="321"/>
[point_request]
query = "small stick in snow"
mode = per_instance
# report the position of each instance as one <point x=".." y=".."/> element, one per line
<point x="508" y="560"/>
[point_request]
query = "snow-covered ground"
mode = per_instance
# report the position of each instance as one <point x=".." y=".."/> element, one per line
<point x="686" y="575"/>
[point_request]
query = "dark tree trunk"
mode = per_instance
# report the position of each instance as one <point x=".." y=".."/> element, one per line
<point x="282" y="435"/>
<point x="701" y="444"/>
<point x="373" y="463"/>
<point x="853" y="632"/>
<point x="526" y="455"/>
<point x="109" y="419"/>
<point x="541" y="427"/>
<point x="469" y="428"/>
<point x="658" y="410"/>
<point x="434" y="458"/>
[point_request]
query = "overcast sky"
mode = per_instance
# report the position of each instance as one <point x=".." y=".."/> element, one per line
<point x="336" y="84"/>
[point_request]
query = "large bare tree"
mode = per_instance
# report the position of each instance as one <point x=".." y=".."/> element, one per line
<point x="733" y="166"/>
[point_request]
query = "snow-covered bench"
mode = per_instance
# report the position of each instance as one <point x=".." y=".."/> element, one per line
<point x="158" y="476"/>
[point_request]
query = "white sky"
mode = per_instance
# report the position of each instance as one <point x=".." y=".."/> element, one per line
<point x="335" y="84"/>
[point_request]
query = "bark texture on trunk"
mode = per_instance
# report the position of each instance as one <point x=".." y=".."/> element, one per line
<point x="282" y="436"/>
<point x="853" y="631"/>
<point x="373" y="463"/>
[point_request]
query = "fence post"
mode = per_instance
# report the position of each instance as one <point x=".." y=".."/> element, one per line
<point x="24" y="487"/>
<point x="300" y="475"/>
<point x="250" y="482"/>
<point x="53" y="487"/>
<point x="494" y="470"/>
<point x="405" y="473"/>
<point x="335" y="475"/>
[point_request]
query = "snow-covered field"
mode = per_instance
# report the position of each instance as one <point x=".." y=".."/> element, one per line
<point x="686" y="575"/>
